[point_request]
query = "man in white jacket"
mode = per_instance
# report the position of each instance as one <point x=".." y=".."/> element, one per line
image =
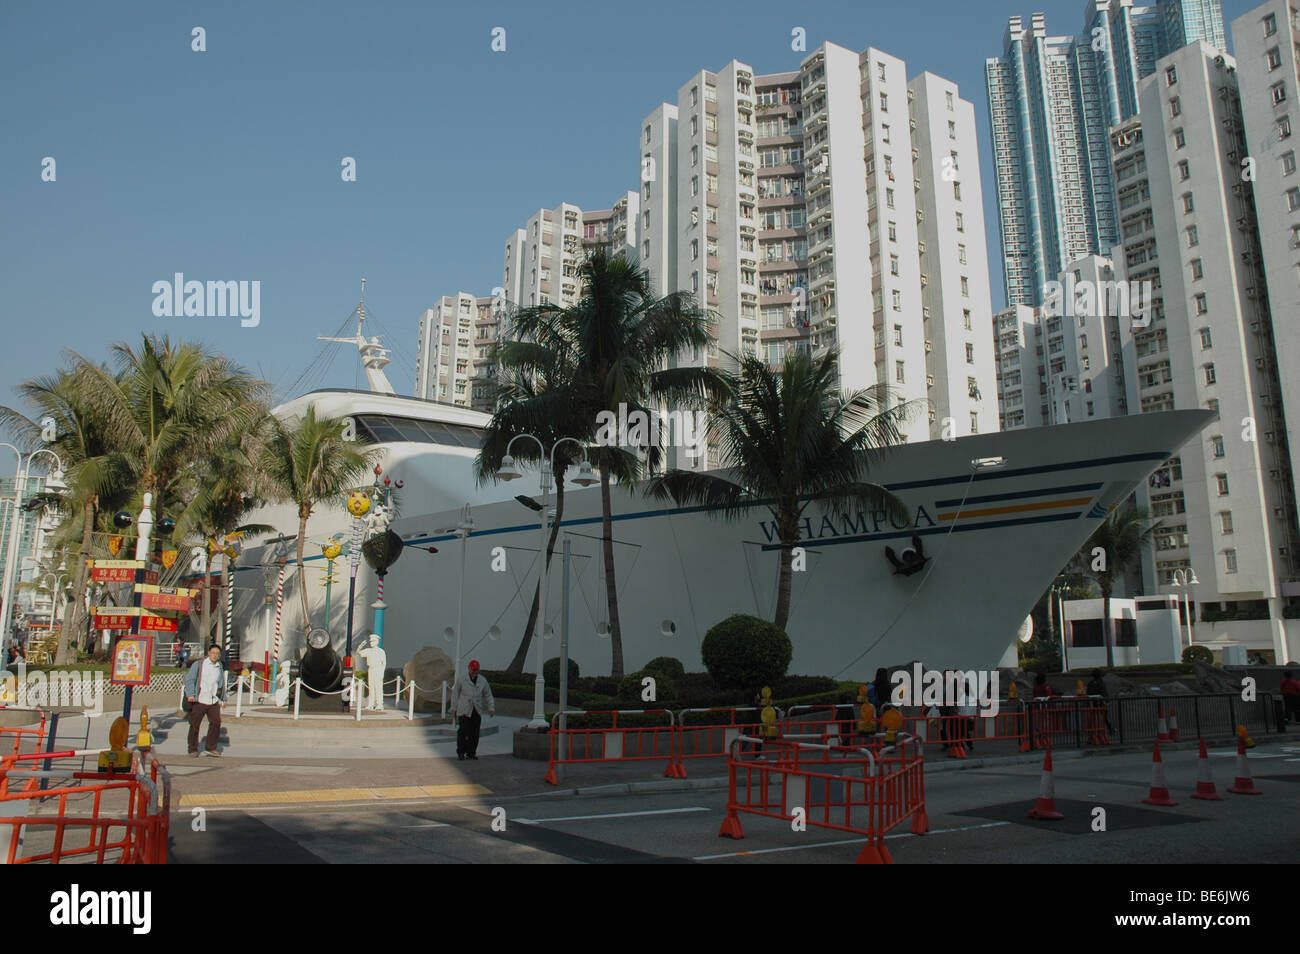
<point x="470" y="701"/>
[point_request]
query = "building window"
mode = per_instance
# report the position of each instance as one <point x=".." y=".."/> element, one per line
<point x="898" y="334"/>
<point x="965" y="319"/>
<point x="952" y="129"/>
<point x="1180" y="139"/>
<point x="1211" y="378"/>
<point x="1184" y="170"/>
<point x="956" y="191"/>
<point x="948" y="96"/>
<point x="893" y="264"/>
<point x="970" y="353"/>
<point x="1221" y="482"/>
<point x="961" y="223"/>
<point x="1225" y="521"/>
<point x="965" y="287"/>
<point x="1293" y="199"/>
<point x="898" y="300"/>
<point x="695" y="126"/>
<point x="898" y="372"/>
<point x="974" y="422"/>
<point x="884" y="102"/>
<point x="1189" y="205"/>
<point x="1288" y="163"/>
<point x="1270" y="24"/>
<point x="1171" y="76"/>
<point x="1207" y="341"/>
<point x="645" y="250"/>
<point x="893" y="231"/>
<point x="961" y="254"/>
<point x="647" y="134"/>
<point x="889" y="198"/>
<point x="1278" y="92"/>
<point x="1284" y="128"/>
<point x="884" y="132"/>
<point x="695" y="249"/>
<point x="695" y="155"/>
<point x="1202" y="303"/>
<point x="1193" y="237"/>
<point x="880" y="71"/>
<point x="1198" y="271"/>
<point x="695" y="95"/>
<point x="1274" y="58"/>
<point x="695" y="185"/>
<point x="1229" y="561"/>
<point x="1216" y="444"/>
<point x="695" y="282"/>
<point x="1175" y="107"/>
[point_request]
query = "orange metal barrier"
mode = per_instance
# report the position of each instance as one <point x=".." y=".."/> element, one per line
<point x="14" y="739"/>
<point x="612" y="743"/>
<point x="718" y="727"/>
<point x="1072" y="720"/>
<point x="125" y="816"/>
<point x="868" y="790"/>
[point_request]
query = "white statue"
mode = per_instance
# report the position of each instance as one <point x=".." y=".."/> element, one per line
<point x="376" y="663"/>
<point x="282" y="686"/>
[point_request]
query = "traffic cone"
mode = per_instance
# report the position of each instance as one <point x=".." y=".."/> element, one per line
<point x="1162" y="730"/>
<point x="551" y="777"/>
<point x="1173" y="723"/>
<point x="1159" y="790"/>
<point x="1045" y="808"/>
<point x="1243" y="784"/>
<point x="1205" y="789"/>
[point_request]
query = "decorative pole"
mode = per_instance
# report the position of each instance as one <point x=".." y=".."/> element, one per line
<point x="279" y="613"/>
<point x="358" y="505"/>
<point x="330" y="549"/>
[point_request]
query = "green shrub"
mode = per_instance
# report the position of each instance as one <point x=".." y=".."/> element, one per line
<point x="629" y="690"/>
<point x="667" y="665"/>
<point x="745" y="652"/>
<point x="1198" y="654"/>
<point x="551" y="671"/>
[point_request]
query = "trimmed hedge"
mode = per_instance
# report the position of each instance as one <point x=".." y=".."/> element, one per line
<point x="551" y="671"/>
<point x="745" y="652"/>
<point x="670" y="667"/>
<point x="630" y="689"/>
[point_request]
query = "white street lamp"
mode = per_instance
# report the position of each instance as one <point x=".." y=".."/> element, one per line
<point x="585" y="478"/>
<point x="1185" y="578"/>
<point x="462" y="529"/>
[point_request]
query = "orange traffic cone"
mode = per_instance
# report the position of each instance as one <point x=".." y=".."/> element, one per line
<point x="1162" y="730"/>
<point x="1205" y="789"/>
<point x="551" y="777"/>
<point x="1173" y="723"/>
<point x="1243" y="784"/>
<point x="1045" y="808"/>
<point x="1159" y="790"/>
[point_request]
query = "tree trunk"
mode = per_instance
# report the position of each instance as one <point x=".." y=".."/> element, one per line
<point x="73" y="615"/>
<point x="1107" y="628"/>
<point x="302" y="575"/>
<point x="783" y="583"/>
<point x="516" y="666"/>
<point x="611" y="590"/>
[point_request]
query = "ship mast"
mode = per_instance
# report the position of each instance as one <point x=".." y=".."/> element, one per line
<point x="374" y="356"/>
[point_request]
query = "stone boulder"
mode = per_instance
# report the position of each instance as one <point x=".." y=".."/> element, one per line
<point x="428" y="669"/>
<point x="1213" y="679"/>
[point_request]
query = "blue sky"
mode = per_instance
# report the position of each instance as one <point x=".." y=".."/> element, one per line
<point x="224" y="165"/>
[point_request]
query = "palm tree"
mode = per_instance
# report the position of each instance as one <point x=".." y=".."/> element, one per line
<point x="309" y="461"/>
<point x="791" y="439"/>
<point x="169" y="404"/>
<point x="1122" y="538"/>
<point x="613" y="347"/>
<point x="529" y="403"/>
<point x="97" y="478"/>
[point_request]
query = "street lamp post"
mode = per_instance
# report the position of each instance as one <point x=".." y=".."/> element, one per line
<point x="585" y="478"/>
<point x="462" y="528"/>
<point x="1185" y="579"/>
<point x="21" y="474"/>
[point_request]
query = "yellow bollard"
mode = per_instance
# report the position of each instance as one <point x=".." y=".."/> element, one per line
<point x="143" y="739"/>
<point x="117" y="755"/>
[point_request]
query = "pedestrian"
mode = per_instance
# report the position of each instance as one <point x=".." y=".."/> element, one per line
<point x="1291" y="695"/>
<point x="470" y="701"/>
<point x="1097" y="687"/>
<point x="205" y="691"/>
<point x="1041" y="689"/>
<point x="966" y="710"/>
<point x="879" y="692"/>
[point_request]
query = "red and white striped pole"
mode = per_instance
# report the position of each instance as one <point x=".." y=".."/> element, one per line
<point x="279" y="611"/>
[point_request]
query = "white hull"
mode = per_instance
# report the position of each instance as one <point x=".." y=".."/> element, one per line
<point x="991" y="557"/>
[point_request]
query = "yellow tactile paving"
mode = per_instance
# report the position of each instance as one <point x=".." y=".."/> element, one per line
<point x="310" y="795"/>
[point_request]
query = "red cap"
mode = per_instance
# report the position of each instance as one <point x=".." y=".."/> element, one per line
<point x="473" y="664"/>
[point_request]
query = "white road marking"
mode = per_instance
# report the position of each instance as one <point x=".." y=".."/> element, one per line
<point x="429" y="825"/>
<point x="660" y="811"/>
<point x="846" y="841"/>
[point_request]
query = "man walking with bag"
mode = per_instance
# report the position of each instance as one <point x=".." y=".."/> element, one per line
<point x="470" y="701"/>
<point x="205" y="691"/>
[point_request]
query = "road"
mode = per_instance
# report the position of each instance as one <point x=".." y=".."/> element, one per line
<point x="976" y="816"/>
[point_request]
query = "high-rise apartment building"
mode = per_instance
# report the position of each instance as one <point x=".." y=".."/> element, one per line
<point x="1227" y="502"/>
<point x="446" y="361"/>
<point x="837" y="206"/>
<point x="1052" y="101"/>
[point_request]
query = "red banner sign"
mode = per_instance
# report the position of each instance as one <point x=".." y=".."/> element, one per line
<point x="112" y="574"/>
<point x="164" y="601"/>
<point x="157" y="624"/>
<point x="114" y="621"/>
